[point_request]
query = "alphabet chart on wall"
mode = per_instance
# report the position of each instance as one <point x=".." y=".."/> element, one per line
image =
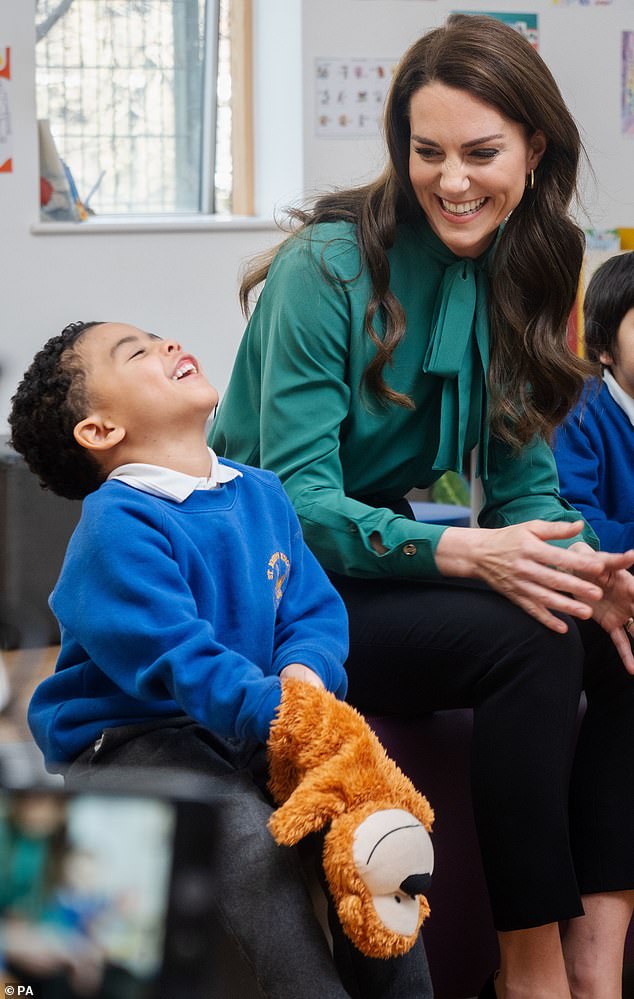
<point x="350" y="95"/>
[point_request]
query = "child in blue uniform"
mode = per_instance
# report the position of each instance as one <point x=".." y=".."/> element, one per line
<point x="594" y="448"/>
<point x="186" y="596"/>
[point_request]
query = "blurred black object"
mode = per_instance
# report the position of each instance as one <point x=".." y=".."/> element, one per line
<point x="200" y="958"/>
<point x="35" y="526"/>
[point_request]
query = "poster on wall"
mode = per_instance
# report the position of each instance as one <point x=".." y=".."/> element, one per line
<point x="349" y="96"/>
<point x="627" y="88"/>
<point x="526" y="24"/>
<point x="6" y="158"/>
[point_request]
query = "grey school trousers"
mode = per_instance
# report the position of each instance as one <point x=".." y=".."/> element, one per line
<point x="263" y="896"/>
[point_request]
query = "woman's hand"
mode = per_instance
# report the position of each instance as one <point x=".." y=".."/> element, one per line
<point x="538" y="577"/>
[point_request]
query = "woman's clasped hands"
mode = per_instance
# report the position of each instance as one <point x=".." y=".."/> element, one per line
<point x="544" y="580"/>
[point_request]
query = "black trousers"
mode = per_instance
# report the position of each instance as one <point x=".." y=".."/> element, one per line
<point x="554" y="807"/>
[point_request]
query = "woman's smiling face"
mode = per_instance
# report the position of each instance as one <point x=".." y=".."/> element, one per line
<point x="468" y="165"/>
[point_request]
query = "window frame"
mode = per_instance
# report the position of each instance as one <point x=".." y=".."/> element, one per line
<point x="242" y="124"/>
<point x="242" y="212"/>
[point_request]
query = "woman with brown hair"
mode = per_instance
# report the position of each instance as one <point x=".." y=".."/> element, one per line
<point x="402" y="325"/>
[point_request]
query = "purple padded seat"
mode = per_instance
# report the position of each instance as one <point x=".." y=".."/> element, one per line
<point x="459" y="936"/>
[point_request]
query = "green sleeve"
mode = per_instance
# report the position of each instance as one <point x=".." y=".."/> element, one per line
<point x="524" y="485"/>
<point x="311" y="330"/>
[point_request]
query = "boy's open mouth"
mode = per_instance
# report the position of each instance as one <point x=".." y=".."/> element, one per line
<point x="185" y="367"/>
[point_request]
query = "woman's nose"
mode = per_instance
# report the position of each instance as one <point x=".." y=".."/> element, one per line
<point x="454" y="178"/>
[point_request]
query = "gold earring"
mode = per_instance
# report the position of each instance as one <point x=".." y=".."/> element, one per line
<point x="530" y="181"/>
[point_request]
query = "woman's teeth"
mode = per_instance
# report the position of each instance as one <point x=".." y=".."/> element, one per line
<point x="463" y="208"/>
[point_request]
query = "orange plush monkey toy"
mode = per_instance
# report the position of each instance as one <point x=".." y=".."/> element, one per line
<point x="327" y="766"/>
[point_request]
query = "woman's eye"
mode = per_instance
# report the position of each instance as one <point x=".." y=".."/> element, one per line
<point x="484" y="154"/>
<point x="426" y="153"/>
<point x="137" y="353"/>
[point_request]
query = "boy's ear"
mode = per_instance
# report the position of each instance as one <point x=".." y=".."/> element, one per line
<point x="97" y="434"/>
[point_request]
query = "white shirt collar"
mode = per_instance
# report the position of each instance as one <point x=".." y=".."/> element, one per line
<point x="620" y="396"/>
<point x="169" y="484"/>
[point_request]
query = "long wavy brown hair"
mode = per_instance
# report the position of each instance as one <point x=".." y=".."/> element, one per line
<point x="534" y="377"/>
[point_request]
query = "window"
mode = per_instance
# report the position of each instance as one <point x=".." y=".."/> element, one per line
<point x="137" y="95"/>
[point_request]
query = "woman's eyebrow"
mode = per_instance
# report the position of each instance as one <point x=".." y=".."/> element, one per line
<point x="421" y="138"/>
<point x="464" y="145"/>
<point x="485" y="138"/>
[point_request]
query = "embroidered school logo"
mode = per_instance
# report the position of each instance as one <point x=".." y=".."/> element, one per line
<point x="278" y="570"/>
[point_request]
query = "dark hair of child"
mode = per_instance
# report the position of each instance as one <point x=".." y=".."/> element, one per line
<point x="50" y="400"/>
<point x="610" y="295"/>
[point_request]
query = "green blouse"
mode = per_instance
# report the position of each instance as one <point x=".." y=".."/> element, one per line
<point x="297" y="404"/>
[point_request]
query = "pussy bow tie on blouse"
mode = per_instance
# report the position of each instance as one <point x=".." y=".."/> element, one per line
<point x="458" y="352"/>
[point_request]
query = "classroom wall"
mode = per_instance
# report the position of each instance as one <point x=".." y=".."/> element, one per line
<point x="581" y="45"/>
<point x="184" y="280"/>
<point x="176" y="280"/>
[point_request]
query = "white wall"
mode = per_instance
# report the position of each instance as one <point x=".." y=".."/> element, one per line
<point x="185" y="282"/>
<point x="181" y="283"/>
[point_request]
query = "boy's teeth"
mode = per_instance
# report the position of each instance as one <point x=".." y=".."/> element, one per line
<point x="463" y="208"/>
<point x="185" y="369"/>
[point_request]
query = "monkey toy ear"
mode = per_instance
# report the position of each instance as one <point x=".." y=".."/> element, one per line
<point x="307" y="810"/>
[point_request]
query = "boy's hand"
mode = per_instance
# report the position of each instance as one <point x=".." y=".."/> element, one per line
<point x="614" y="611"/>
<point x="297" y="671"/>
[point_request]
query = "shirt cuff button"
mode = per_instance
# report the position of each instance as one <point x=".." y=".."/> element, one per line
<point x="409" y="549"/>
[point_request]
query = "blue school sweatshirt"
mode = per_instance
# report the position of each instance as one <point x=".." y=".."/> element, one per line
<point x="593" y="449"/>
<point x="193" y="608"/>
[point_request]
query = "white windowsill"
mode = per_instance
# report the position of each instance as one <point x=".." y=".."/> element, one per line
<point x="156" y="223"/>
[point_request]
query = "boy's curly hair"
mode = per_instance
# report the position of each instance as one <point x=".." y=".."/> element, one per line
<point x="50" y="400"/>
